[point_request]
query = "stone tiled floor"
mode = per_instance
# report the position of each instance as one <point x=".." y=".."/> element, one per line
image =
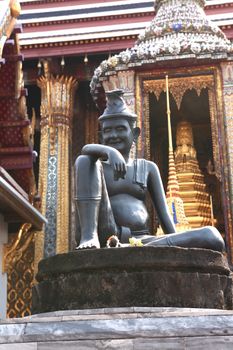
<point x="133" y="328"/>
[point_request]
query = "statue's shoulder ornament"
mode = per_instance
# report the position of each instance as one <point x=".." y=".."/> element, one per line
<point x="141" y="172"/>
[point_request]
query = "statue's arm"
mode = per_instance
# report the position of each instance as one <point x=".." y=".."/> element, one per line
<point x="155" y="187"/>
<point x="96" y="151"/>
<point x="103" y="152"/>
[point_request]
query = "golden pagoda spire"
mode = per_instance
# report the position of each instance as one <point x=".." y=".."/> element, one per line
<point x="174" y="200"/>
<point x="198" y="204"/>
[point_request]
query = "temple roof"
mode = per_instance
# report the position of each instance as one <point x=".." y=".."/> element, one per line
<point x="52" y="28"/>
<point x="179" y="30"/>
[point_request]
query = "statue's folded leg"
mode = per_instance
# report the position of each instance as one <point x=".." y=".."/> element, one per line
<point x="95" y="217"/>
<point x="206" y="237"/>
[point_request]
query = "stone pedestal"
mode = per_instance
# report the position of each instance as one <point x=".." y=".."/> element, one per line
<point x="138" y="276"/>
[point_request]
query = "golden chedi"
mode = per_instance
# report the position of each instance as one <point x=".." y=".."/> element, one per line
<point x="191" y="181"/>
<point x="174" y="200"/>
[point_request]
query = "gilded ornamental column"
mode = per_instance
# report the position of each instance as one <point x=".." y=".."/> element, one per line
<point x="57" y="94"/>
<point x="227" y="74"/>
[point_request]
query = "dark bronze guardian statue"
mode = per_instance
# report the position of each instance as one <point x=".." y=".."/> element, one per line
<point x="111" y="189"/>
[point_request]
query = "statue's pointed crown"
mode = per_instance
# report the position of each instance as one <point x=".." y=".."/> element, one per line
<point x="116" y="107"/>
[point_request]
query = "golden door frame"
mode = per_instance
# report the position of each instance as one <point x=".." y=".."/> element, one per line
<point x="181" y="80"/>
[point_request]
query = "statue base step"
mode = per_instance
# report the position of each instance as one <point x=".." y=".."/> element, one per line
<point x="133" y="276"/>
<point x="120" y="328"/>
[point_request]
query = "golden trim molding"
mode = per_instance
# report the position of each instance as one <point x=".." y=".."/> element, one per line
<point x="178" y="86"/>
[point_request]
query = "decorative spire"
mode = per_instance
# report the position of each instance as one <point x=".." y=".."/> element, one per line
<point x="172" y="186"/>
<point x="174" y="200"/>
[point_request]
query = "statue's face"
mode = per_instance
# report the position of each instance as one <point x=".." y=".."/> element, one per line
<point x="118" y="134"/>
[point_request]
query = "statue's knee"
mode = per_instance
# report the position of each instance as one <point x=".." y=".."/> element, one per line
<point x="215" y="238"/>
<point x="86" y="166"/>
<point x="83" y="162"/>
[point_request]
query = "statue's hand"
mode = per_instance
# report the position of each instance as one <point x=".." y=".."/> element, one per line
<point x="117" y="162"/>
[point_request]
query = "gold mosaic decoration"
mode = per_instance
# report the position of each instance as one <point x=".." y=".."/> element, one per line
<point x="178" y="86"/>
<point x="193" y="191"/>
<point x="56" y="121"/>
<point x="19" y="264"/>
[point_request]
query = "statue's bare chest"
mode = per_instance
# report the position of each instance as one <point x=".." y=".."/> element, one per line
<point x="124" y="186"/>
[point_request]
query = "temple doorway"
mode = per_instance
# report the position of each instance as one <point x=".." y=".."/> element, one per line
<point x="192" y="108"/>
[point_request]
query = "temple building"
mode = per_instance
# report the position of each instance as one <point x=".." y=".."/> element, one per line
<point x="73" y="52"/>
